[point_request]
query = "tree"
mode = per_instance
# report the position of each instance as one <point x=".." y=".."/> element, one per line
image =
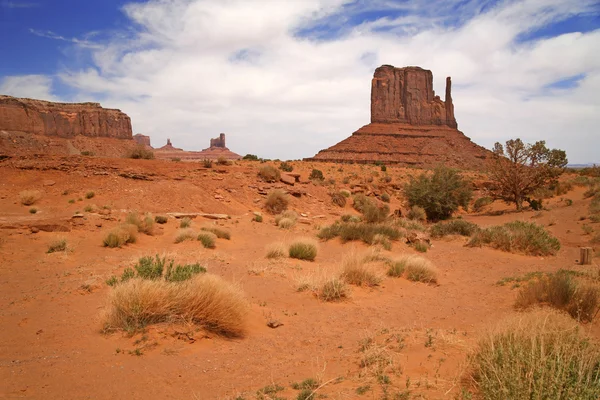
<point x="439" y="194"/>
<point x="519" y="169"/>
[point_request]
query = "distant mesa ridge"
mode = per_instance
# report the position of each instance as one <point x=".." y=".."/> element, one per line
<point x="216" y="150"/>
<point x="410" y="125"/>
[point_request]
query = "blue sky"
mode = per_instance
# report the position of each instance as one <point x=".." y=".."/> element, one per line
<point x="285" y="79"/>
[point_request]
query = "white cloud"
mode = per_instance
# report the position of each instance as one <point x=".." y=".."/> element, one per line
<point x="195" y="68"/>
<point x="30" y="86"/>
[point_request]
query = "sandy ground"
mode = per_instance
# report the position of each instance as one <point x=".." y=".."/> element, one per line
<point x="51" y="346"/>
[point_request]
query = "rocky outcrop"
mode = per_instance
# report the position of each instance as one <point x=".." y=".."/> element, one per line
<point x="409" y="126"/>
<point x="142" y="139"/>
<point x="64" y="120"/>
<point x="214" y="152"/>
<point x="218" y="142"/>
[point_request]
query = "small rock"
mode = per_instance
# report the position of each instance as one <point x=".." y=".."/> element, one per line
<point x="48" y="182"/>
<point x="287" y="179"/>
<point x="273" y="323"/>
<point x="99" y="224"/>
<point x="34" y="229"/>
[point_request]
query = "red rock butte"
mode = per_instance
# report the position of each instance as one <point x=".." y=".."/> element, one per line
<point x="410" y="126"/>
<point x="216" y="151"/>
<point x="64" y="120"/>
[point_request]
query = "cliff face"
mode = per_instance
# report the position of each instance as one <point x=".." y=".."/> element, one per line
<point x="142" y="139"/>
<point x="62" y="119"/>
<point x="409" y="126"/>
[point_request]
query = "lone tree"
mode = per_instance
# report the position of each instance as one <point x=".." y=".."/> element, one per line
<point x="519" y="169"/>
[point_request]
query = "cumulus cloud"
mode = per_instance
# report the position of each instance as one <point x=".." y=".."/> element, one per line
<point x="31" y="86"/>
<point x="287" y="78"/>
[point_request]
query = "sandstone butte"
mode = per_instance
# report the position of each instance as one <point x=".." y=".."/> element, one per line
<point x="64" y="120"/>
<point x="217" y="150"/>
<point x="410" y="126"/>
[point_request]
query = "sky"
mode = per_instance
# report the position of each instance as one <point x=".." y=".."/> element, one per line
<point x="285" y="79"/>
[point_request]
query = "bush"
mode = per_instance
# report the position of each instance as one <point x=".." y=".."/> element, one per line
<point x="359" y="201"/>
<point x="286" y="166"/>
<point x="338" y="199"/>
<point x="418" y="269"/>
<point x="455" y="227"/>
<point x="207" y="163"/>
<point x="482" y="202"/>
<point x="517" y="236"/>
<point x="205" y="300"/>
<point x="145" y="225"/>
<point x="257" y="218"/>
<point x="562" y="292"/>
<point x="316" y="175"/>
<point x="333" y="289"/>
<point x="351" y="218"/>
<point x="385" y="198"/>
<point x="276" y="250"/>
<point x="383" y="241"/>
<point x="223" y="161"/>
<point x="303" y="249"/>
<point x="59" y="244"/>
<point x="220" y="233"/>
<point x="268" y="173"/>
<point x="89" y="195"/>
<point x="421" y="247"/>
<point x="373" y="213"/>
<point x="416" y="213"/>
<point x="537" y="355"/>
<point x="121" y="235"/>
<point x="183" y="272"/>
<point x="383" y="168"/>
<point x="207" y="239"/>
<point x="186" y="222"/>
<point x="276" y="202"/>
<point x="161" y="219"/>
<point x="356" y="272"/>
<point x="140" y="153"/>
<point x="87" y="153"/>
<point x="440" y="194"/>
<point x="286" y="223"/>
<point x="358" y="231"/>
<point x="29" y="197"/>
<point x="251" y="157"/>
<point x="150" y="268"/>
<point x="33" y="210"/>
<point x="185" y="234"/>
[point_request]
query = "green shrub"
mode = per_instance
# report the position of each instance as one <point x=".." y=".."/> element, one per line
<point x="207" y="239"/>
<point x="257" y="218"/>
<point x="286" y="166"/>
<point x="59" y="244"/>
<point x="303" y="249"/>
<point x="316" y="175"/>
<point x="155" y="268"/>
<point x="186" y="222"/>
<point x="383" y="168"/>
<point x="220" y="233"/>
<point x="482" y="202"/>
<point x="538" y="355"/>
<point x="517" y="236"/>
<point x="358" y="231"/>
<point x="421" y="247"/>
<point x="183" y="272"/>
<point x="251" y="157"/>
<point x="440" y="194"/>
<point x="112" y="281"/>
<point x="150" y="267"/>
<point x="140" y="153"/>
<point x="268" y="173"/>
<point x="454" y="227"/>
<point x="161" y="219"/>
<point x="338" y="199"/>
<point x="351" y="218"/>
<point x="416" y="213"/>
<point x="385" y="198"/>
<point x="276" y="202"/>
<point x="33" y="210"/>
<point x="89" y="195"/>
<point x="185" y="234"/>
<point x="373" y="213"/>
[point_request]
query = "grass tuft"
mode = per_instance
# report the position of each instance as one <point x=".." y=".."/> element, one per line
<point x="356" y="272"/>
<point x="517" y="236"/>
<point x="121" y="235"/>
<point x="269" y="173"/>
<point x="219" y="233"/>
<point x="186" y="222"/>
<point x="276" y="202"/>
<point x="276" y="250"/>
<point x="185" y="234"/>
<point x="418" y="269"/>
<point x="207" y="239"/>
<point x="161" y="219"/>
<point x="58" y="244"/>
<point x="333" y="289"/>
<point x="454" y="227"/>
<point x="303" y="249"/>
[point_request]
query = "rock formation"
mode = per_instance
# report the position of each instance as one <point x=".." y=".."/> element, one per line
<point x="218" y="142"/>
<point x="216" y="150"/>
<point x="409" y="126"/>
<point x="142" y="139"/>
<point x="64" y="120"/>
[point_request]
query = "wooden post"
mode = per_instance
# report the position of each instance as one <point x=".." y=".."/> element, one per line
<point x="585" y="257"/>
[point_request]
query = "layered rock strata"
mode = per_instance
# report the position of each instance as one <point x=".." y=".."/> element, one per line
<point x="216" y="150"/>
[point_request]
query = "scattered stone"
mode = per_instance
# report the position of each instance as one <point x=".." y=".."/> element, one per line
<point x="305" y="221"/>
<point x="273" y="323"/>
<point x="417" y="237"/>
<point x="287" y="179"/>
<point x="130" y="175"/>
<point x="34" y="229"/>
<point x="48" y="182"/>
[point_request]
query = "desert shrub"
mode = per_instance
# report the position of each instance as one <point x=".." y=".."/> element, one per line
<point x="251" y="157"/>
<point x="176" y="159"/>
<point x="385" y="198"/>
<point x="421" y="247"/>
<point x="257" y="218"/>
<point x="373" y="213"/>
<point x="220" y="233"/>
<point x="316" y="175"/>
<point x="303" y="249"/>
<point x="482" y="202"/>
<point x="286" y="223"/>
<point x="161" y="219"/>
<point x="144" y="225"/>
<point x="561" y="291"/>
<point x="359" y="201"/>
<point x="416" y="213"/>
<point x="71" y="201"/>
<point x="206" y="300"/>
<point x="397" y="267"/>
<point x="223" y="161"/>
<point x="207" y="239"/>
<point x="140" y="153"/>
<point x="276" y="250"/>
<point x="338" y="199"/>
<point x="183" y="272"/>
<point x="383" y="241"/>
<point x="356" y="272"/>
<point x="87" y="153"/>
<point x="150" y="267"/>
<point x="276" y="202"/>
<point x="89" y="208"/>
<point x="287" y="214"/>
<point x="186" y="222"/>
<point x="454" y="227"/>
<point x="29" y="197"/>
<point x="207" y="163"/>
<point x="517" y="236"/>
<point x="185" y="234"/>
<point x="33" y="210"/>
<point x="351" y="218"/>
<point x="333" y="289"/>
<point x="344" y="192"/>
<point x="286" y="166"/>
<point x="269" y="173"/>
<point x="418" y="269"/>
<point x="121" y="235"/>
<point x="537" y="355"/>
<point x="358" y="231"/>
<point x="440" y="194"/>
<point x="58" y="244"/>
<point x="383" y="168"/>
<point x="90" y="195"/>
<point x="154" y="268"/>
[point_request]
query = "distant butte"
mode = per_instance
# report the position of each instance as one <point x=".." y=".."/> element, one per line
<point x="410" y="126"/>
<point x="216" y="150"/>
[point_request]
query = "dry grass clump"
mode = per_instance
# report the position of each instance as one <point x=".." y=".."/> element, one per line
<point x="417" y="269"/>
<point x="338" y="199"/>
<point x="286" y="219"/>
<point x="220" y="233"/>
<point x="29" y="197"/>
<point x="208" y="239"/>
<point x="140" y="153"/>
<point x="383" y="241"/>
<point x="58" y="244"/>
<point x="482" y="202"/>
<point x="356" y="272"/>
<point x="144" y="225"/>
<point x="303" y="249"/>
<point x="333" y="289"/>
<point x="161" y="219"/>
<point x="359" y="231"/>
<point x="276" y="202"/>
<point x="186" y="222"/>
<point x="276" y="250"/>
<point x="121" y="235"/>
<point x="205" y="300"/>
<point x="517" y="236"/>
<point x="269" y="173"/>
<point x="455" y="227"/>
<point x="185" y="234"/>
<point x="538" y="355"/>
<point x="286" y="223"/>
<point x="561" y="291"/>
<point x="416" y="213"/>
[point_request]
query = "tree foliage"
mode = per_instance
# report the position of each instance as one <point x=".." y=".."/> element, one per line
<point x="439" y="194"/>
<point x="519" y="169"/>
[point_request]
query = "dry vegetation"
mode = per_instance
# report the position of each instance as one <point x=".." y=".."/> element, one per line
<point x="519" y="237"/>
<point x="29" y="197"/>
<point x="303" y="249"/>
